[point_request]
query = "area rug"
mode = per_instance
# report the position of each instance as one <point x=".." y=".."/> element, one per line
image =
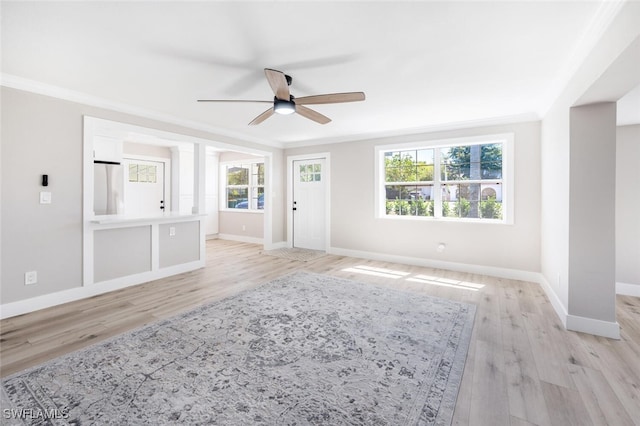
<point x="295" y="253"/>
<point x="304" y="349"/>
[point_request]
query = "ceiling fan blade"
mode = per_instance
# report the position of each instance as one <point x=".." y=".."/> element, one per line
<point x="331" y="98"/>
<point x="259" y="119"/>
<point x="278" y="83"/>
<point x="312" y="115"/>
<point x="234" y="100"/>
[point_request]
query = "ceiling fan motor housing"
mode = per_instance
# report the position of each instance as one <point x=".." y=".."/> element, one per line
<point x="284" y="107"/>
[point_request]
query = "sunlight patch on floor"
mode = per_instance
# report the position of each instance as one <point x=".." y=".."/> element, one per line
<point x="420" y="278"/>
<point x="446" y="282"/>
<point x="378" y="272"/>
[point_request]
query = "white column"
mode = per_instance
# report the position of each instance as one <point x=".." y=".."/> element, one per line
<point x="175" y="179"/>
<point x="182" y="178"/>
<point x="199" y="177"/>
<point x="211" y="191"/>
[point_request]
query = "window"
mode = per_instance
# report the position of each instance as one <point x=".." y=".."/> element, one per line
<point x="462" y="180"/>
<point x="244" y="186"/>
<point x="310" y="173"/>
<point x="142" y="173"/>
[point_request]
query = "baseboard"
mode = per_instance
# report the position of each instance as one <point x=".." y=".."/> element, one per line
<point x="274" y="246"/>
<point x="512" y="274"/>
<point x="626" y="289"/>
<point x="577" y="323"/>
<point x="241" y="238"/>
<point x="33" y="304"/>
<point x="593" y="326"/>
<point x="211" y="237"/>
<point x="555" y="301"/>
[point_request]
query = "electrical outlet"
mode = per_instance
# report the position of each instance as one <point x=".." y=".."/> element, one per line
<point x="244" y="227"/>
<point x="30" y="277"/>
<point x="172" y="231"/>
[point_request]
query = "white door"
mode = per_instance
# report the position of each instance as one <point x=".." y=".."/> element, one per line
<point x="144" y="191"/>
<point x="309" y="204"/>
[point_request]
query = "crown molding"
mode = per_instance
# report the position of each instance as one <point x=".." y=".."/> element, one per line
<point x="33" y="86"/>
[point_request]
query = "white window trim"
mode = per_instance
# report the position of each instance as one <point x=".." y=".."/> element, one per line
<point x="223" y="184"/>
<point x="507" y="139"/>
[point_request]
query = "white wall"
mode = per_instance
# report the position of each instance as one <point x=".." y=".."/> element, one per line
<point x="229" y="156"/>
<point x="40" y="136"/>
<point x="43" y="135"/>
<point x="146" y="150"/>
<point x="611" y="60"/>
<point x="246" y="225"/>
<point x="354" y="225"/>
<point x="554" y="236"/>
<point x="628" y="208"/>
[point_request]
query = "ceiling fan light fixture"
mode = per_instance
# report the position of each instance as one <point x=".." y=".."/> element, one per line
<point x="284" y="103"/>
<point x="284" y="107"/>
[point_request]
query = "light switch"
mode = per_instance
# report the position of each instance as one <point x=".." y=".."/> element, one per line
<point x="45" y="197"/>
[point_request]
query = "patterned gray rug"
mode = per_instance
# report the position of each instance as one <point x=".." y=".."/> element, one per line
<point x="303" y="349"/>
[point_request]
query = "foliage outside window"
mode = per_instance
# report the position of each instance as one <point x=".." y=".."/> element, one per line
<point x="311" y="173"/>
<point x="244" y="186"/>
<point x="462" y="181"/>
<point x="142" y="173"/>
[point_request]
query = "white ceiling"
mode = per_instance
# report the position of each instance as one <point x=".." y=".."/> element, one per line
<point x="422" y="65"/>
<point x="629" y="108"/>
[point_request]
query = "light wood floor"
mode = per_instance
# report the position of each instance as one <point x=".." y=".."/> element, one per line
<point x="522" y="368"/>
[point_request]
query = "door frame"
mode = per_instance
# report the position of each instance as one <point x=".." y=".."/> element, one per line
<point x="326" y="175"/>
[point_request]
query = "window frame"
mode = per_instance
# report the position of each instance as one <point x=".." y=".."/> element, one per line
<point x="251" y="187"/>
<point x="507" y="141"/>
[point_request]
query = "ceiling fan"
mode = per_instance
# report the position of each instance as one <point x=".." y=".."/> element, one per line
<point x="285" y="103"/>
